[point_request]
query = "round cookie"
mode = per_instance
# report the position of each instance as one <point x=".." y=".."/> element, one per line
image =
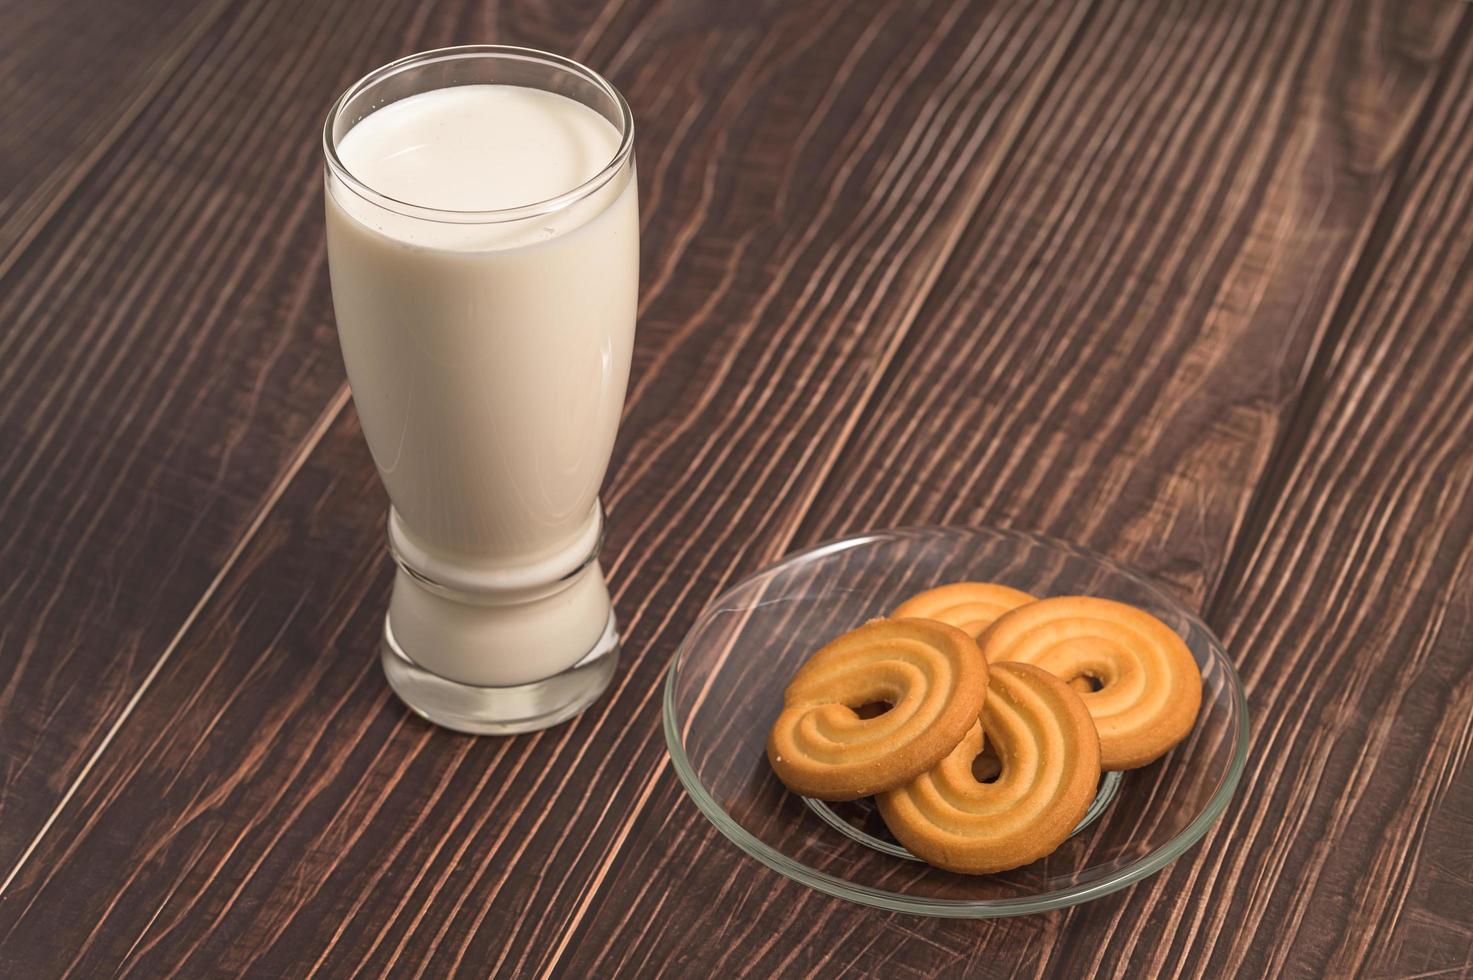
<point x="1050" y="771"/>
<point x="969" y="606"/>
<point x="1149" y="687"/>
<point x="931" y="675"/>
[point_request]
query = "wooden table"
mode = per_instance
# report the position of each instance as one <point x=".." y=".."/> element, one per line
<point x="1187" y="283"/>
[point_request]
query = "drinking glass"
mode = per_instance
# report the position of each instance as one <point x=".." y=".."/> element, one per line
<point x="488" y="354"/>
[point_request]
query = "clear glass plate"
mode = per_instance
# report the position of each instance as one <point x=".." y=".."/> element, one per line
<point x="725" y="685"/>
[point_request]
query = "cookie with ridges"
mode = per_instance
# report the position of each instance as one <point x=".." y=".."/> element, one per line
<point x="969" y="606"/>
<point x="931" y="676"/>
<point x="1045" y="742"/>
<point x="1149" y="689"/>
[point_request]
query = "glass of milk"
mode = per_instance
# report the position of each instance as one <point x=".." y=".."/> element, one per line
<point x="483" y="241"/>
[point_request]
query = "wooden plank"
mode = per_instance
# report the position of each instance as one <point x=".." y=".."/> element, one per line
<point x="1347" y="853"/>
<point x="807" y="170"/>
<point x="70" y="90"/>
<point x="1111" y="357"/>
<point x="167" y="359"/>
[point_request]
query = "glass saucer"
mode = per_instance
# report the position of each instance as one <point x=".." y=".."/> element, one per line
<point x="725" y="685"/>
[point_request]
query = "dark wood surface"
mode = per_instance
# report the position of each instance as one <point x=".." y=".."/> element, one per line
<point x="1187" y="283"/>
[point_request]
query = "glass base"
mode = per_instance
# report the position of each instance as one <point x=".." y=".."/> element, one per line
<point x="501" y="710"/>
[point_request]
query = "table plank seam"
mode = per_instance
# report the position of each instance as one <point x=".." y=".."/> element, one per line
<point x="210" y="19"/>
<point x="1314" y="382"/>
<point x="1306" y="445"/>
<point x="887" y="362"/>
<point x="207" y="19"/>
<point x="274" y="494"/>
<point x="301" y="454"/>
<point x="1324" y="352"/>
<point x="804" y="531"/>
<point x="1285" y="394"/>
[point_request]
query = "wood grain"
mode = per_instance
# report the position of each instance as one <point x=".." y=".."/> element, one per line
<point x="1187" y="283"/>
<point x="70" y="90"/>
<point x="167" y="361"/>
<point x="1078" y="371"/>
<point x="802" y="190"/>
<point x="1352" y="615"/>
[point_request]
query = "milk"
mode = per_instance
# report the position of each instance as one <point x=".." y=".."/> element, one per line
<point x="488" y="361"/>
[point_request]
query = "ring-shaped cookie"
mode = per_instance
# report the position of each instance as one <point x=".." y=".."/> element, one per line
<point x="932" y="677"/>
<point x="1149" y="689"/>
<point x="1045" y="741"/>
<point x="969" y="606"/>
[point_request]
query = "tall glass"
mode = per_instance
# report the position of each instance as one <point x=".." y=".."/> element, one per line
<point x="488" y="353"/>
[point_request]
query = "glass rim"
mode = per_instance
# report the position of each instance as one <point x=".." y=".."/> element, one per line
<point x="951" y="908"/>
<point x="339" y="170"/>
